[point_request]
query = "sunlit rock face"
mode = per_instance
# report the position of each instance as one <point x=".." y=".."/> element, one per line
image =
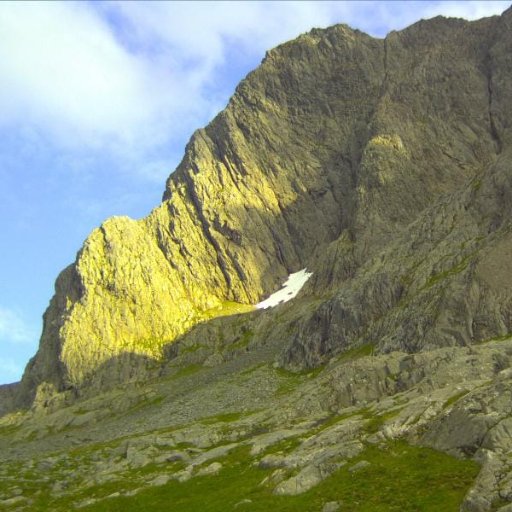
<point x="381" y="165"/>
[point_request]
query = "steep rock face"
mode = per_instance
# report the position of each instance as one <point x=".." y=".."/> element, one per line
<point x="7" y="396"/>
<point x="443" y="280"/>
<point x="325" y="157"/>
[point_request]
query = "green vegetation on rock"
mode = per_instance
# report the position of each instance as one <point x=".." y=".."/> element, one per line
<point x="383" y="166"/>
<point x="398" y="478"/>
<point x="336" y="155"/>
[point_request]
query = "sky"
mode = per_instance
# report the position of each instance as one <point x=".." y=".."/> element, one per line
<point x="97" y="102"/>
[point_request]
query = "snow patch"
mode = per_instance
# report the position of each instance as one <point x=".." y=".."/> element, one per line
<point x="289" y="290"/>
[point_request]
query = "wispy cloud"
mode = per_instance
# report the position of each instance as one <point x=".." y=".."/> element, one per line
<point x="13" y="329"/>
<point x="377" y="18"/>
<point x="127" y="77"/>
<point x="62" y="69"/>
<point x="466" y="10"/>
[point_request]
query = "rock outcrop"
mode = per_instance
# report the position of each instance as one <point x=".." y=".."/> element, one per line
<point x="382" y="165"/>
<point x="262" y="433"/>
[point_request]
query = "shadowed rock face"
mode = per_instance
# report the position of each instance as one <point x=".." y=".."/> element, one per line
<point x="382" y="165"/>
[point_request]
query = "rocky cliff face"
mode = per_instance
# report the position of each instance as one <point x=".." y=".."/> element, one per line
<point x="384" y="166"/>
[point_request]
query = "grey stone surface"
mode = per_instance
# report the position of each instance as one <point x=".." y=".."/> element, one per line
<point x="160" y="480"/>
<point x="331" y="506"/>
<point x="403" y="331"/>
<point x="211" y="469"/>
<point x="357" y="467"/>
<point x="307" y="478"/>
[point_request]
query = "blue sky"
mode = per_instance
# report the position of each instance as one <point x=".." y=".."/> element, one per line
<point x="97" y="101"/>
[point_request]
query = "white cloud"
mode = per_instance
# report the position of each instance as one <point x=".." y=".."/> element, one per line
<point x="118" y="87"/>
<point x="129" y="76"/>
<point x="13" y="329"/>
<point x="125" y="79"/>
<point x="199" y="31"/>
<point x="61" y="69"/>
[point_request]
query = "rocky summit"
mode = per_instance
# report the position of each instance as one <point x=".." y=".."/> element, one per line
<point x="384" y="168"/>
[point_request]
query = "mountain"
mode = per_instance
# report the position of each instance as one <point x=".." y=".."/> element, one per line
<point x="383" y="167"/>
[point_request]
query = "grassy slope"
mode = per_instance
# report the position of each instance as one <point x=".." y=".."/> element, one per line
<point x="400" y="478"/>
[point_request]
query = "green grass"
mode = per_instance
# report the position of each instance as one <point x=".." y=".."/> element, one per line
<point x="191" y="349"/>
<point x="244" y="340"/>
<point x="456" y="269"/>
<point x="504" y="337"/>
<point x="334" y="419"/>
<point x="356" y="353"/>
<point x="454" y="398"/>
<point x="6" y="430"/>
<point x="399" y="478"/>
<point x="286" y="445"/>
<point x="186" y="371"/>
<point x="376" y="421"/>
<point x="289" y="381"/>
<point x="227" y="308"/>
<point x="223" y="418"/>
<point x="476" y="184"/>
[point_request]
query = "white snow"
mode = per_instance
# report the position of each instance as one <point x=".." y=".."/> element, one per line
<point x="289" y="290"/>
